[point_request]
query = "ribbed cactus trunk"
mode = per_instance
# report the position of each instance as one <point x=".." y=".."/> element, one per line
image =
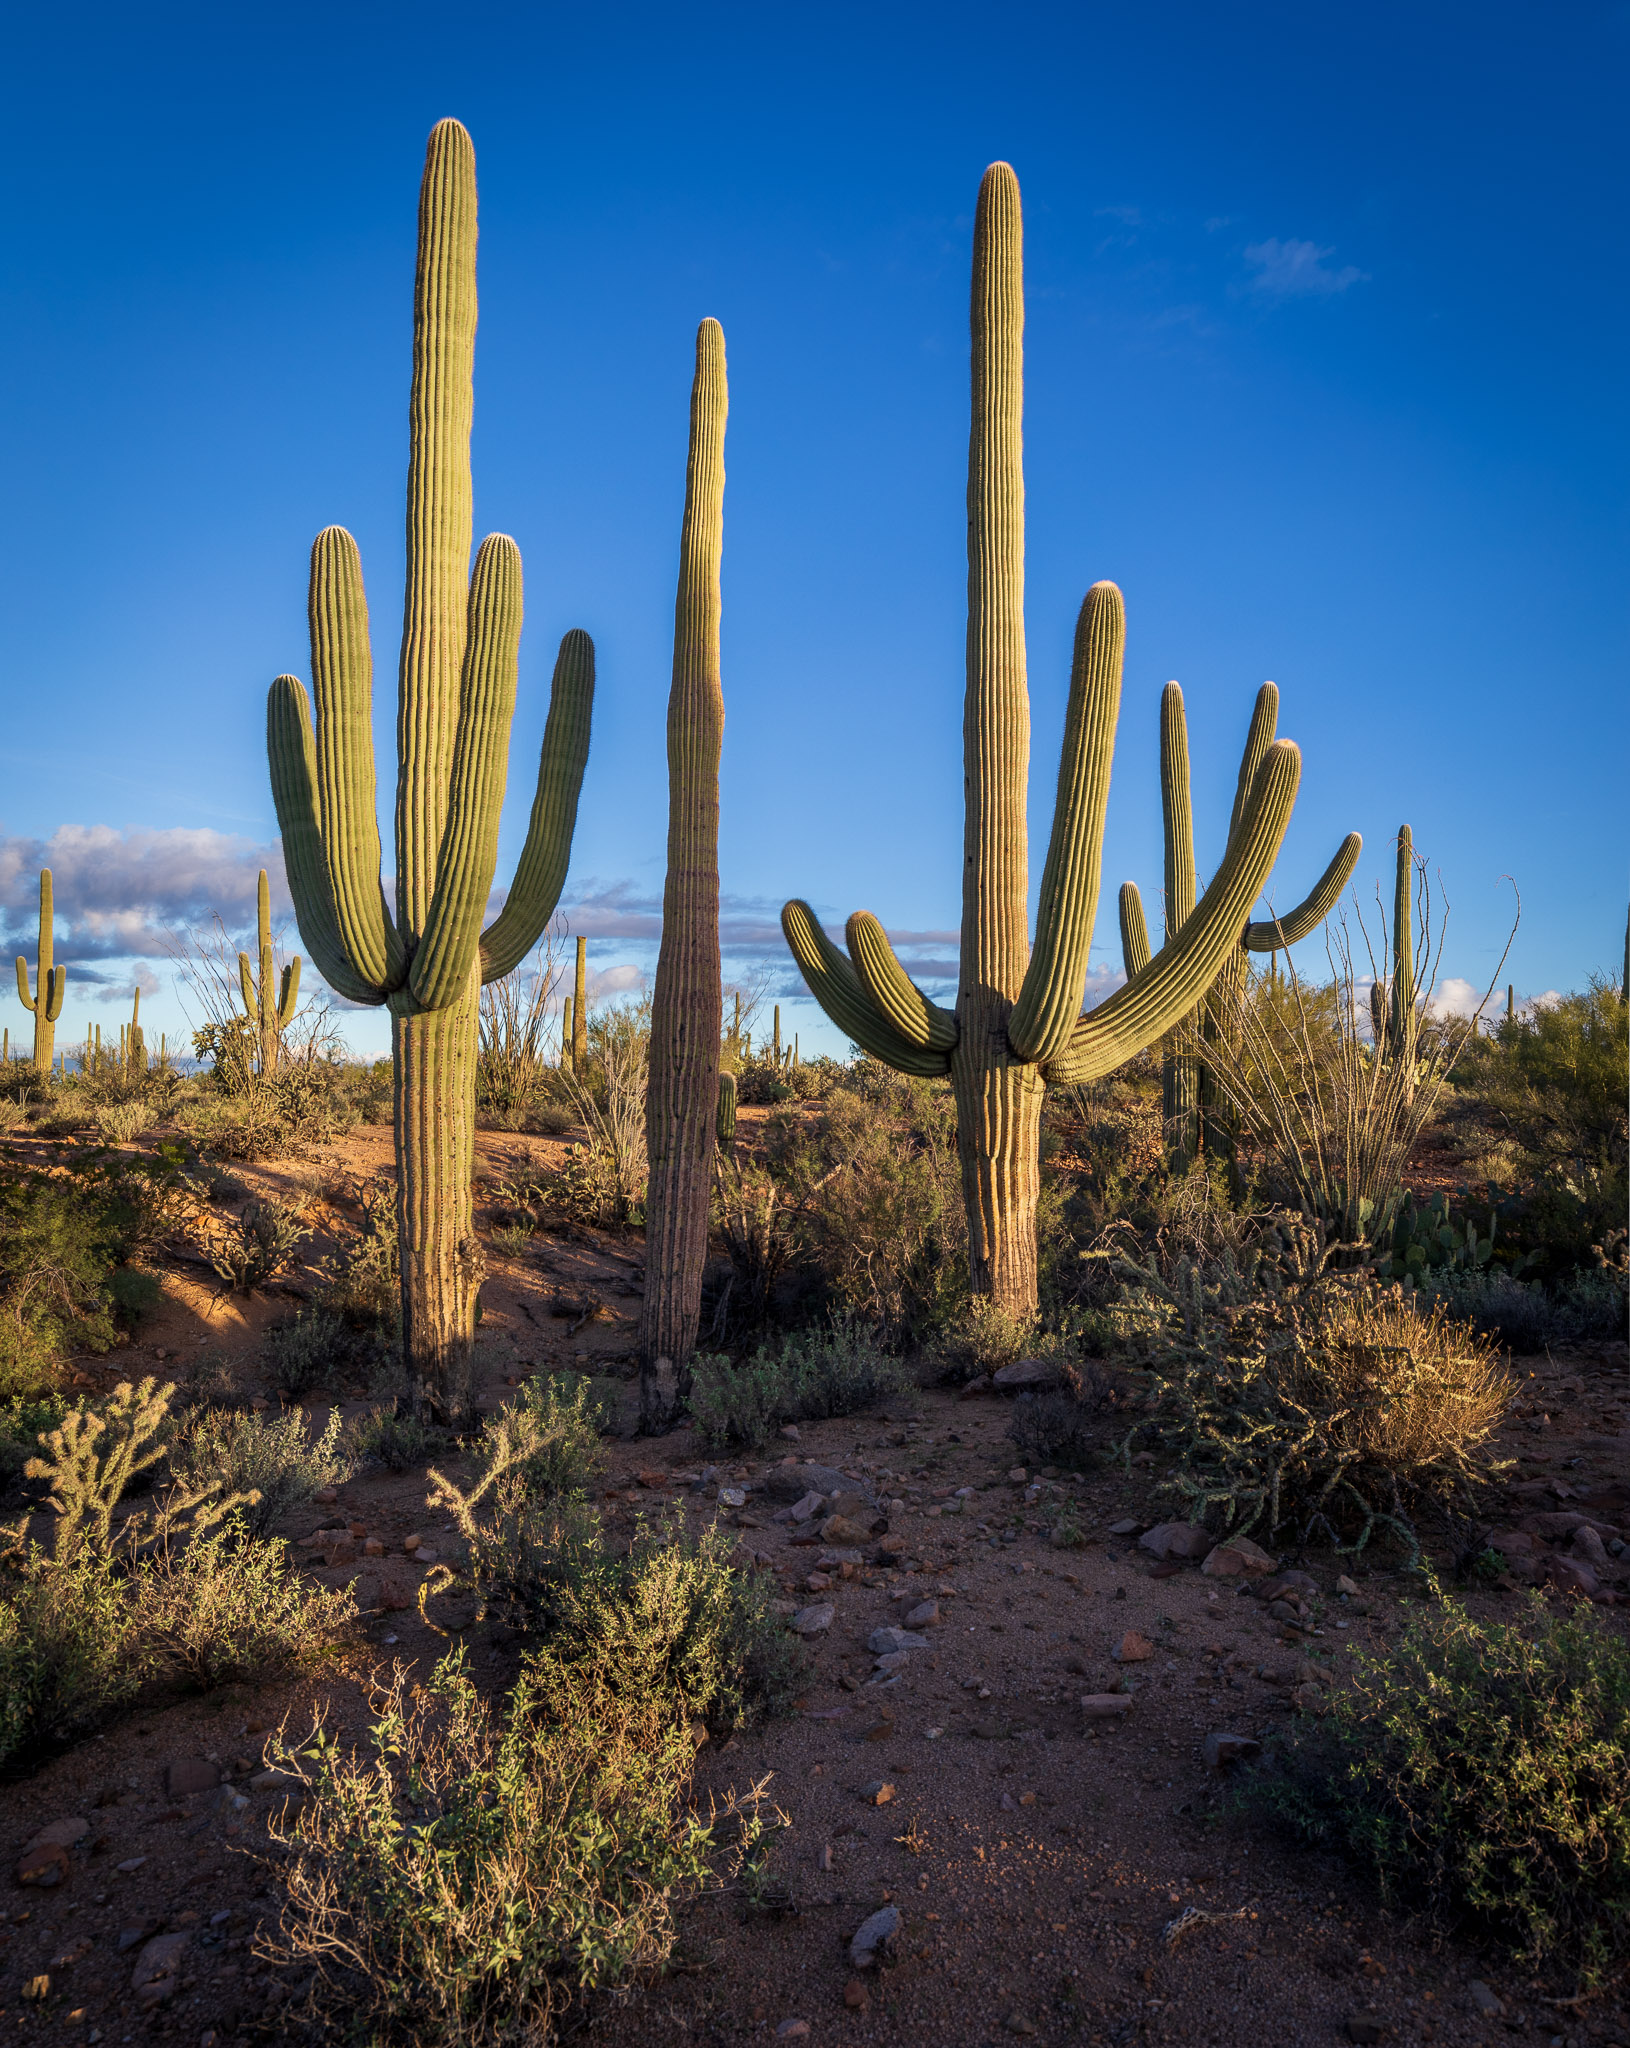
<point x="1180" y="1060"/>
<point x="682" y="1096"/>
<point x="50" y="982"/>
<point x="456" y="696"/>
<point x="580" y="1008"/>
<point x="998" y="1098"/>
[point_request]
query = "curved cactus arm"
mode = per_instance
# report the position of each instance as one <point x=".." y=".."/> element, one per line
<point x="1050" y="995"/>
<point x="469" y="847"/>
<point x="289" y="994"/>
<point x="918" y="1019"/>
<point x="1264" y="722"/>
<point x="1185" y="968"/>
<point x="291" y="754"/>
<point x="59" y="988"/>
<point x="1134" y="930"/>
<point x="342" y="683"/>
<point x="23" y="995"/>
<point x="1273" y="934"/>
<point x="1176" y="809"/>
<point x="540" y="873"/>
<point x="839" y="991"/>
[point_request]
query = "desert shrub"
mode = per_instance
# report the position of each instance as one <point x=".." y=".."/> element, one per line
<point x="1527" y="1314"/>
<point x="510" y="1240"/>
<point x="318" y="1349"/>
<point x="398" y="1440"/>
<point x="1320" y="1411"/>
<point x="673" y="1619"/>
<point x="1065" y="1426"/>
<point x="566" y="1416"/>
<point x="272" y="1457"/>
<point x="223" y="1608"/>
<point x="256" y="1246"/>
<point x="58" y="1245"/>
<point x="1481" y="1772"/>
<point x="12" y="1115"/>
<point x="805" y="1377"/>
<point x="22" y="1082"/>
<point x="67" y="1642"/>
<point x="118" y="1122"/>
<point x="558" y="1851"/>
<point x="362" y="1286"/>
<point x="22" y="1424"/>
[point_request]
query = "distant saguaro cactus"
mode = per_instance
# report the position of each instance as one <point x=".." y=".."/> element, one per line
<point x="1195" y="1115"/>
<point x="270" y="1007"/>
<point x="50" y="982"/>
<point x="580" y="1008"/>
<point x="456" y="695"/>
<point x="135" y="1042"/>
<point x="1018" y="1023"/>
<point x="683" y="1099"/>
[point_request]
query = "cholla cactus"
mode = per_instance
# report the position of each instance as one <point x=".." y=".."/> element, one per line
<point x="457" y="679"/>
<point x="1018" y="1025"/>
<point x="270" y="1007"/>
<point x="682" y="1092"/>
<point x="51" y="983"/>
<point x="1189" y="1100"/>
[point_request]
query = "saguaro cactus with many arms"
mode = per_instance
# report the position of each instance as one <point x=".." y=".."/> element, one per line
<point x="1018" y="1024"/>
<point x="456" y="694"/>
<point x="1194" y="1115"/>
<point x="270" y="1007"/>
<point x="682" y="1092"/>
<point x="50" y="982"/>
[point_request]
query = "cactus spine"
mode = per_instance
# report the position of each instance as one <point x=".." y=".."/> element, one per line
<point x="683" y="1099"/>
<point x="1018" y="1024"/>
<point x="50" y="982"/>
<point x="456" y="694"/>
<point x="270" y="1008"/>
<point x="1195" y="1114"/>
<point x="580" y="1008"/>
<point x="724" y="1122"/>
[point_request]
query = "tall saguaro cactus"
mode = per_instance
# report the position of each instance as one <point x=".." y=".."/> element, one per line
<point x="1018" y="1025"/>
<point x="682" y="1093"/>
<point x="50" y="982"/>
<point x="579" y="1014"/>
<point x="456" y="695"/>
<point x="1193" y="1112"/>
<point x="270" y="1007"/>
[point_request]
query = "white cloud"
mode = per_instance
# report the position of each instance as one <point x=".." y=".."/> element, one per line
<point x="1454" y="996"/>
<point x="1293" y="270"/>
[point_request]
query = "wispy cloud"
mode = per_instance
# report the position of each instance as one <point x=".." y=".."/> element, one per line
<point x="1297" y="270"/>
<point x="118" y="893"/>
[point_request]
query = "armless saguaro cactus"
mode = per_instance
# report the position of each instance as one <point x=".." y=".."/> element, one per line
<point x="580" y="1009"/>
<point x="456" y="695"/>
<point x="270" y="1007"/>
<point x="1018" y="1024"/>
<point x="682" y="1093"/>
<point x="50" y="982"/>
<point x="1195" y="1114"/>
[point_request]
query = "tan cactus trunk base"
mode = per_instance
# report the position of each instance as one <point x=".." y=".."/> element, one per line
<point x="439" y="1253"/>
<point x="999" y="1143"/>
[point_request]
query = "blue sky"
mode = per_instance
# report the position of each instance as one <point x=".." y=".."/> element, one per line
<point x="1324" y="350"/>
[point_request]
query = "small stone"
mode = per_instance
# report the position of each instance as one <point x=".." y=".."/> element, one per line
<point x="878" y="1793"/>
<point x="1590" y="1547"/>
<point x="975" y="1387"/>
<point x="277" y="1781"/>
<point x="924" y="1615"/>
<point x="1572" y="1575"/>
<point x="1222" y="1749"/>
<point x="806" y="1509"/>
<point x="1238" y="1557"/>
<point x="1105" y="1706"/>
<point x="191" y="1774"/>
<point x="789" y="1430"/>
<point x="1367" y="2028"/>
<point x="131" y="1863"/>
<point x="1175" y="1540"/>
<point x="817" y="1582"/>
<point x="1486" y="2001"/>
<point x="372" y="1547"/>
<point x="157" y="1975"/>
<point x="1018" y="1475"/>
<point x="43" y="1863"/>
<point x="1133" y="1648"/>
<point x="884" y="1642"/>
<point x="813" y="1620"/>
<point x="357" y="1529"/>
<point x="792" y="2030"/>
<point x="1347" y="1586"/>
<point x="732" y="1497"/>
<point x="840" y="1529"/>
<point x="1129" y="1527"/>
<point x="411" y="1543"/>
<point x="37" y="1987"/>
<point x="856" y="1997"/>
<point x="892" y="1661"/>
<point x="67" y="1832"/>
<point x="1028" y="1372"/>
<point x="1016" y="2023"/>
<point x="880" y="1730"/>
<point x="871" y="1935"/>
<point x="325" y="1496"/>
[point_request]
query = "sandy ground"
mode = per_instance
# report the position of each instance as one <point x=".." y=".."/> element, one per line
<point x="1036" y="1858"/>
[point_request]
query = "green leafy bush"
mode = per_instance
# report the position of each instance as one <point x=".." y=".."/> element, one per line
<point x="223" y="1607"/>
<point x="483" y="1869"/>
<point x="270" y="1456"/>
<point x="1482" y="1773"/>
<point x="805" y="1377"/>
<point x="58" y="1245"/>
<point x="567" y="1416"/>
<point x="318" y="1349"/>
<point x="399" y="1441"/>
<point x="22" y="1424"/>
